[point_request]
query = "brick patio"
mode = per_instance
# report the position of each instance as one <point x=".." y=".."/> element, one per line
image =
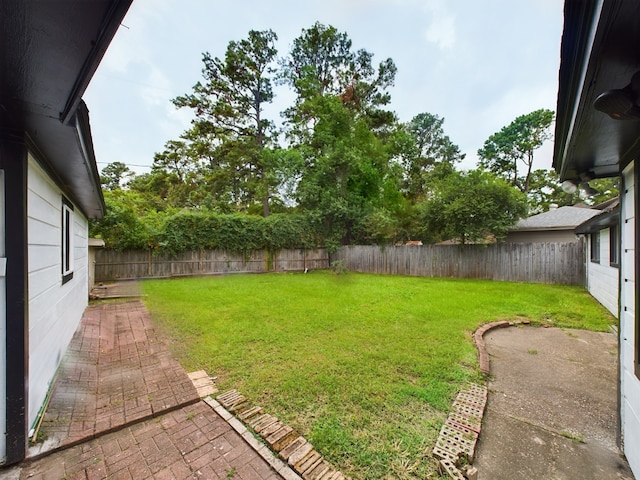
<point x="192" y="442"/>
<point x="123" y="408"/>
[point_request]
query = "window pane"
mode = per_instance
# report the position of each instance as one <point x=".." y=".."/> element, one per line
<point x="595" y="247"/>
<point x="614" y="247"/>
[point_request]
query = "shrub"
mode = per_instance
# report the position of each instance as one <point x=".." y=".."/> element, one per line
<point x="236" y="233"/>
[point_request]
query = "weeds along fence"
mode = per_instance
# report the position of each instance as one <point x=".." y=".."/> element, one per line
<point x="111" y="265"/>
<point x="553" y="263"/>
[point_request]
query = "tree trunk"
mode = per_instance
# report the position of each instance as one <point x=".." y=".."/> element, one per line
<point x="527" y="179"/>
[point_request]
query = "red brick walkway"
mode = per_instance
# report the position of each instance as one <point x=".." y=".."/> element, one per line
<point x="116" y="372"/>
<point x="122" y="408"/>
<point x="189" y="443"/>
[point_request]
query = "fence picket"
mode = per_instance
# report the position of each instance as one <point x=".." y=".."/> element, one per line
<point x="111" y="265"/>
<point x="560" y="263"/>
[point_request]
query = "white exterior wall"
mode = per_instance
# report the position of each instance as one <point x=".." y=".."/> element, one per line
<point x="629" y="383"/>
<point x="602" y="278"/>
<point x="55" y="310"/>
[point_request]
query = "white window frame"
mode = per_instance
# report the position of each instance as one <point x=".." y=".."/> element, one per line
<point x="67" y="240"/>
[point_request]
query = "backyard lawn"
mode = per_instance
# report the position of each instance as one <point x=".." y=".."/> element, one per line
<point x="364" y="366"/>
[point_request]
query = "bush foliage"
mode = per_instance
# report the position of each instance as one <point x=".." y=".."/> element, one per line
<point x="193" y="231"/>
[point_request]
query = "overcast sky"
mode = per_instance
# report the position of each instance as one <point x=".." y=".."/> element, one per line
<point x="477" y="63"/>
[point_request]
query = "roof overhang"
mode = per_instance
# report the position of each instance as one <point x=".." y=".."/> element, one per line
<point x="599" y="53"/>
<point x="566" y="228"/>
<point x="49" y="50"/>
<point x="600" y="222"/>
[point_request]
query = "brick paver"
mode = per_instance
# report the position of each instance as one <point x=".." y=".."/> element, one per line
<point x="123" y="408"/>
<point x="116" y="372"/>
<point x="189" y="443"/>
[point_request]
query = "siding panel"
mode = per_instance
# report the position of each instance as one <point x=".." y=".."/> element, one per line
<point x="602" y="278"/>
<point x="630" y="385"/>
<point x="55" y="310"/>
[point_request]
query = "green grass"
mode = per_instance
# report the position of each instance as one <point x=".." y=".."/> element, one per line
<point x="364" y="366"/>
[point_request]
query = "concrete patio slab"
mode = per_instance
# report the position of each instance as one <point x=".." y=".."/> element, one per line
<point x="552" y="406"/>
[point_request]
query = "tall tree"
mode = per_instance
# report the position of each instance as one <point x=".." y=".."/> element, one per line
<point x="114" y="176"/>
<point x="229" y="107"/>
<point x="425" y="153"/>
<point x="515" y="143"/>
<point x="322" y="63"/>
<point x="545" y="189"/>
<point x="337" y="125"/>
<point x="175" y="159"/>
<point x="606" y="188"/>
<point x="343" y="174"/>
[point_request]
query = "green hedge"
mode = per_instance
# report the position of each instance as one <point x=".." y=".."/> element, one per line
<point x="237" y="233"/>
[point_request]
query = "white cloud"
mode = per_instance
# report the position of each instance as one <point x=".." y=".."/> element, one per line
<point x="441" y="31"/>
<point x="156" y="87"/>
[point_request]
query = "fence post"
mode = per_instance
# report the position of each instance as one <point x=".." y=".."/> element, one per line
<point x="149" y="264"/>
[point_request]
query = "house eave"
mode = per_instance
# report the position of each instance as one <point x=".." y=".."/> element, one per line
<point x="599" y="222"/>
<point x="568" y="228"/>
<point x="597" y="55"/>
<point x="48" y="53"/>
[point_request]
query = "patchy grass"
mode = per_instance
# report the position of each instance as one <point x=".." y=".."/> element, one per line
<point x="576" y="437"/>
<point x="364" y="366"/>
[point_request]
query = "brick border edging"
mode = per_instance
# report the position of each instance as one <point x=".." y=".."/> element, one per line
<point x="458" y="436"/>
<point x="483" y="355"/>
<point x="267" y="455"/>
<point x="294" y="450"/>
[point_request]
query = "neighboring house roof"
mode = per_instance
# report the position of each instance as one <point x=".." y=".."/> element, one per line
<point x="48" y="53"/>
<point x="562" y="218"/>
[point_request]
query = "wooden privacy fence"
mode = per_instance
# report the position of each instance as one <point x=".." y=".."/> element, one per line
<point x="111" y="265"/>
<point x="558" y="263"/>
<point x="555" y="263"/>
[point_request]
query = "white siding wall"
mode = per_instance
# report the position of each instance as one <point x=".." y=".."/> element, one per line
<point x="55" y="309"/>
<point x="630" y="385"/>
<point x="602" y="278"/>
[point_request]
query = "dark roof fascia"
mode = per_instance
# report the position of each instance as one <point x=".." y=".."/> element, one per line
<point x="608" y="204"/>
<point x="567" y="228"/>
<point x="85" y="143"/>
<point x="66" y="154"/>
<point x="579" y="29"/>
<point x="600" y="222"/>
<point x="598" y="54"/>
<point x="108" y="29"/>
